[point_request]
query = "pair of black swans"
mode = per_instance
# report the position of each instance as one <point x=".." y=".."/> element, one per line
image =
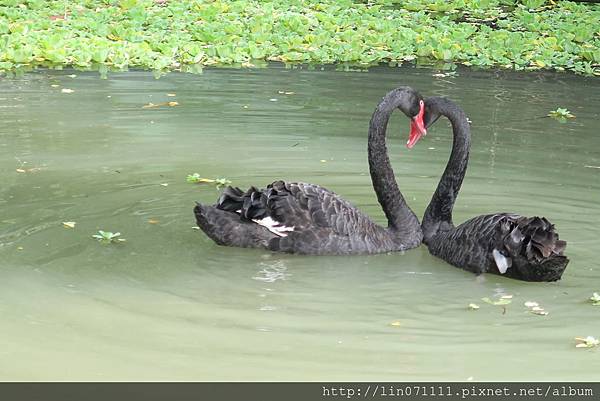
<point x="302" y="218"/>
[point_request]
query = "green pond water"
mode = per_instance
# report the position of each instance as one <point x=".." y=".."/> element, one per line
<point x="169" y="304"/>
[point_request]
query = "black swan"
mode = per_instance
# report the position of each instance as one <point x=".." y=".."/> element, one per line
<point x="308" y="219"/>
<point x="524" y="248"/>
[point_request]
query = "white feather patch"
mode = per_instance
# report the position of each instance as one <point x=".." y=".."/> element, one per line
<point x="502" y="261"/>
<point x="274" y="226"/>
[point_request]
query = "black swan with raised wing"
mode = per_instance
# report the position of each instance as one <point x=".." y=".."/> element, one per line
<point x="525" y="248"/>
<point x="308" y="219"/>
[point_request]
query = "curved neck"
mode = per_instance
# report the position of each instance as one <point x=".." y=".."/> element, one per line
<point x="438" y="216"/>
<point x="401" y="218"/>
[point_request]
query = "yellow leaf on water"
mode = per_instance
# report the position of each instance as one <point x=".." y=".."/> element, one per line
<point x="164" y="184"/>
<point x="171" y="94"/>
<point x="173" y="104"/>
<point x="152" y="221"/>
<point x="20" y="170"/>
<point x="69" y="224"/>
<point x="396" y="323"/>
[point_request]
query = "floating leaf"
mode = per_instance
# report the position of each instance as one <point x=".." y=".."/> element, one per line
<point x="595" y="299"/>
<point x="153" y="105"/>
<point x="28" y="170"/>
<point x="67" y="90"/>
<point x="196" y="179"/>
<point x="396" y="323"/>
<point x="171" y="94"/>
<point x="587" y="342"/>
<point x="152" y="221"/>
<point x="535" y="308"/>
<point x="499" y="302"/>
<point x="473" y="306"/>
<point x="164" y="184"/>
<point x="108" y="237"/>
<point x="561" y="114"/>
<point x="69" y="224"/>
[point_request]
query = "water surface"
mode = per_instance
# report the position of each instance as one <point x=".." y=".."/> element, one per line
<point x="169" y="304"/>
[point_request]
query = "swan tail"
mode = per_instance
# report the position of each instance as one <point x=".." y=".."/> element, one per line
<point x="531" y="246"/>
<point x="226" y="228"/>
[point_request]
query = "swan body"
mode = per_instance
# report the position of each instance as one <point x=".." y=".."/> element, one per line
<point x="296" y="217"/>
<point x="524" y="248"/>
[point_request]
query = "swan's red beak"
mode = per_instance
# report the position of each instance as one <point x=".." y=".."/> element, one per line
<point x="417" y="127"/>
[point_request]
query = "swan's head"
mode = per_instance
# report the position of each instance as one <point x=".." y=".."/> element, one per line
<point x="413" y="106"/>
<point x="417" y="126"/>
<point x="428" y="114"/>
<point x="411" y="103"/>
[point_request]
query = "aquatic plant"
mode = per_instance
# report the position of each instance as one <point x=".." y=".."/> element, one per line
<point x="107" y="237"/>
<point x="196" y="179"/>
<point x="190" y="34"/>
<point x="586" y="342"/>
<point x="561" y="114"/>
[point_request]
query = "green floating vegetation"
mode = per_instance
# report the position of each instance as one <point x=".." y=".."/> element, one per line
<point x="107" y="237"/>
<point x="561" y="114"/>
<point x="218" y="182"/>
<point x="187" y="35"/>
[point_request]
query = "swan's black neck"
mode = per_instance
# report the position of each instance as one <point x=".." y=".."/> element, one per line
<point x="438" y="216"/>
<point x="401" y="219"/>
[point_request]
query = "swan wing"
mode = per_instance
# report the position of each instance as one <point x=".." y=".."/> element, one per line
<point x="285" y="207"/>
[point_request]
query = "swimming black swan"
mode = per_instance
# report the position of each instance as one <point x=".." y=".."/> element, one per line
<point x="308" y="219"/>
<point x="525" y="248"/>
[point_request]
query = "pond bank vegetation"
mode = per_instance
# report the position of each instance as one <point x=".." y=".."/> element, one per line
<point x="188" y="35"/>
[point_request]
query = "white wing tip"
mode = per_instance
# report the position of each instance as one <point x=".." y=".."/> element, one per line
<point x="502" y="262"/>
<point x="274" y="226"/>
